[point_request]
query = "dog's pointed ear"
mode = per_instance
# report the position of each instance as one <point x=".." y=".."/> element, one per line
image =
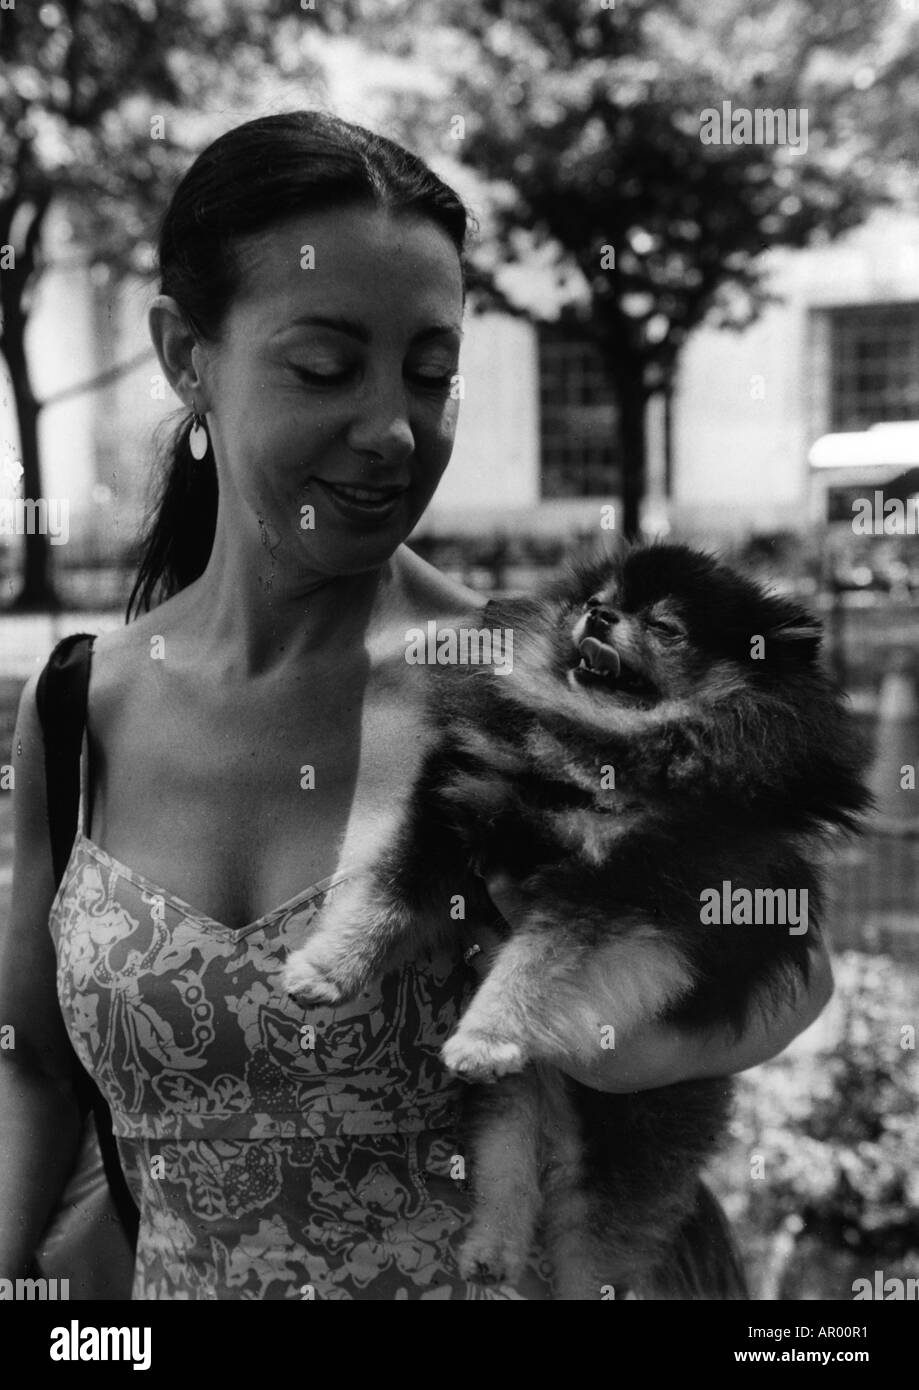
<point x="800" y="636"/>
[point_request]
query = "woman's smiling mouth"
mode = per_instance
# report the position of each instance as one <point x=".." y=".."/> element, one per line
<point x="363" y="503"/>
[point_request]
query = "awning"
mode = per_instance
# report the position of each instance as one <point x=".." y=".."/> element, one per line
<point x="881" y="446"/>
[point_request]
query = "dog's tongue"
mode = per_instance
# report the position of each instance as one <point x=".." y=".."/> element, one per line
<point x="600" y="656"/>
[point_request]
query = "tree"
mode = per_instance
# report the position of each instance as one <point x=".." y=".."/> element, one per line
<point x="587" y="121"/>
<point x="95" y="99"/>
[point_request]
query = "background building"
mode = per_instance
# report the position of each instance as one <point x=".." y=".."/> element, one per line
<point x="535" y="449"/>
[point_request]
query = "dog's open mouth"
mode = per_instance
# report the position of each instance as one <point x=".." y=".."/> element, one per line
<point x="599" y="659"/>
<point x="602" y="664"/>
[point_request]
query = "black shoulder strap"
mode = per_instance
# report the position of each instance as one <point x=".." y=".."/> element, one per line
<point x="61" y="699"/>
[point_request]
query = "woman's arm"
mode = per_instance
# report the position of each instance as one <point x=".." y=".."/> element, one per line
<point x="40" y="1122"/>
<point x="660" y="1054"/>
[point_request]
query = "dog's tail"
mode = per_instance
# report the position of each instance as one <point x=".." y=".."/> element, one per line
<point x="703" y="1262"/>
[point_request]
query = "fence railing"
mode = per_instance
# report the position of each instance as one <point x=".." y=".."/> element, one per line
<point x="872" y="900"/>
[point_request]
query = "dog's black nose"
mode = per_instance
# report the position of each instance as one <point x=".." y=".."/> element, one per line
<point x="605" y="615"/>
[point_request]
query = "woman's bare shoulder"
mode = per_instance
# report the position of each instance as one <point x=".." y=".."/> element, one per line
<point x="122" y="655"/>
<point x="432" y="592"/>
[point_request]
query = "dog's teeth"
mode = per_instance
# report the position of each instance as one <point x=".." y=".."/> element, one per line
<point x="600" y="656"/>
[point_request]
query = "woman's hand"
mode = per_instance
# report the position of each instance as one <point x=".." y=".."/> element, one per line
<point x="660" y="1054"/>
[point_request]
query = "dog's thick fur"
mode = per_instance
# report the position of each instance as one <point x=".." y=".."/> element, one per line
<point x="666" y="727"/>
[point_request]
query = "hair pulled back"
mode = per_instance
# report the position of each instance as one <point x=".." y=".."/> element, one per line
<point x="252" y="177"/>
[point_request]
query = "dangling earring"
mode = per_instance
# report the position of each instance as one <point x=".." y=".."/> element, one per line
<point x="197" y="438"/>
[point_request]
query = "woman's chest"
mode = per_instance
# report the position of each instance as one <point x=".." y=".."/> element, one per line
<point x="239" y="809"/>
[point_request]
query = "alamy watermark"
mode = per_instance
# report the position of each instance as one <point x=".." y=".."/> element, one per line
<point x="460" y="646"/>
<point x="82" y="1343"/>
<point x="755" y="907"/>
<point x="42" y="516"/>
<point x="885" y="1290"/>
<point x="893" y="516"/>
<point x="34" y="1290"/>
<point x="762" y="126"/>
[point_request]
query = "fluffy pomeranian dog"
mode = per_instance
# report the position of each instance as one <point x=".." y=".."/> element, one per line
<point x="654" y="767"/>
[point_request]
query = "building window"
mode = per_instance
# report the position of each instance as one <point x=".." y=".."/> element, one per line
<point x="874" y="373"/>
<point x="579" y="449"/>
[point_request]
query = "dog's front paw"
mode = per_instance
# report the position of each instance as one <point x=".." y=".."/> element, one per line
<point x="319" y="980"/>
<point x="487" y="1257"/>
<point x="482" y="1056"/>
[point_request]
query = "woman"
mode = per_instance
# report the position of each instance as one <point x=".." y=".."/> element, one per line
<point x="245" y="733"/>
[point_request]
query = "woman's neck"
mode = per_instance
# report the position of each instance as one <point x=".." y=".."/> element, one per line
<point x="247" y="608"/>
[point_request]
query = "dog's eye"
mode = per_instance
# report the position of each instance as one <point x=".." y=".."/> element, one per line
<point x="668" y="627"/>
<point x="594" y="601"/>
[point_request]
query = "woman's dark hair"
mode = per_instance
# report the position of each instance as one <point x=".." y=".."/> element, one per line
<point x="254" y="176"/>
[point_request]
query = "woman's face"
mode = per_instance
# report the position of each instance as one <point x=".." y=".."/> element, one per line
<point x="330" y="404"/>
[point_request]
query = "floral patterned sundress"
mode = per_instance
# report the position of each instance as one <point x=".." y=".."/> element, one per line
<point x="275" y="1151"/>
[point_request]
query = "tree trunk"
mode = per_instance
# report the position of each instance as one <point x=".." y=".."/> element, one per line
<point x="668" y="441"/>
<point x="37" y="592"/>
<point x="632" y="401"/>
<point x="626" y="366"/>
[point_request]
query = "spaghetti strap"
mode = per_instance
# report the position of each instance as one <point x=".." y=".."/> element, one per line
<point x="85" y="810"/>
<point x="61" y="699"/>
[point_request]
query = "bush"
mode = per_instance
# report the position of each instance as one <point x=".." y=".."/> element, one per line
<point x="822" y="1180"/>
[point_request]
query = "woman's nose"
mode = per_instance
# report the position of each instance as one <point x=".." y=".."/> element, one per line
<point x="383" y="426"/>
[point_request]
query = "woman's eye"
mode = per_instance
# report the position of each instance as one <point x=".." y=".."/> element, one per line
<point x="438" y="376"/>
<point x="322" y="372"/>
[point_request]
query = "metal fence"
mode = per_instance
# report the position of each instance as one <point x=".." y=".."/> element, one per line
<point x="873" y="893"/>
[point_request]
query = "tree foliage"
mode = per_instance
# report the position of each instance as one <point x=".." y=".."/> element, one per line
<point x="581" y="120"/>
<point x="585" y="120"/>
<point x="102" y="102"/>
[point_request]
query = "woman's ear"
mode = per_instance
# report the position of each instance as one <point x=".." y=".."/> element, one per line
<point x="178" y="351"/>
